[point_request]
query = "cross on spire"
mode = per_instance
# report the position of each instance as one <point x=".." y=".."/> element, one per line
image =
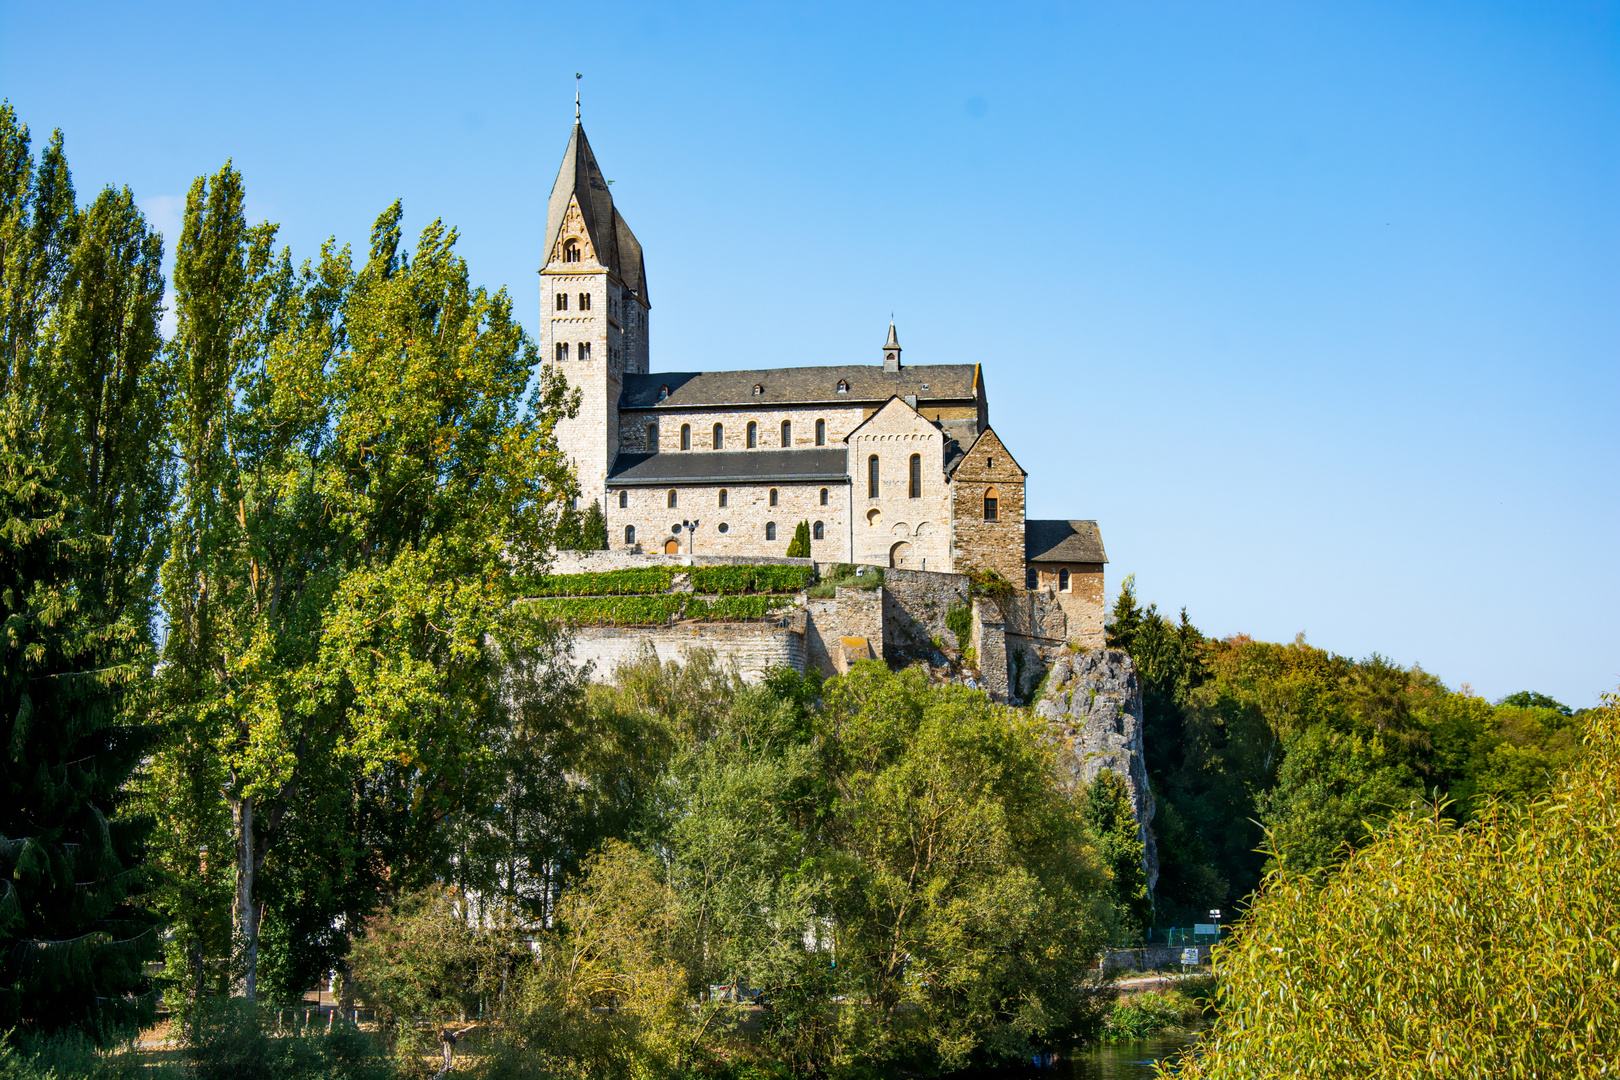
<point x="577" y="77"/>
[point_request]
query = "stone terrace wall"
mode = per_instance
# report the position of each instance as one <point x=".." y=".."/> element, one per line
<point x="592" y="562"/>
<point x="914" y="607"/>
<point x="752" y="647"/>
<point x="852" y="613"/>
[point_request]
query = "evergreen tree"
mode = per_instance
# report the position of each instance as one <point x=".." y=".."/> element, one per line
<point x="1113" y="824"/>
<point x="569" y="532"/>
<point x="799" y="547"/>
<point x="593" y="530"/>
<point x="72" y="940"/>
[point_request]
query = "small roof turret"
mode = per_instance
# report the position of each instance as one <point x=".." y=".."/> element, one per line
<point x="891" y="350"/>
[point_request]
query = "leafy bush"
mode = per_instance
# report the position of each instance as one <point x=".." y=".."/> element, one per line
<point x="641" y="581"/>
<point x="723" y="608"/>
<point x="1476" y="951"/>
<point x="1140" y="1015"/>
<point x="228" y="1041"/>
<point x="959" y="620"/>
<point x="612" y="610"/>
<point x="844" y="574"/>
<point x="751" y="579"/>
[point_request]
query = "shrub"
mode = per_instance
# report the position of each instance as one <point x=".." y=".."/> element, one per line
<point x="751" y="579"/>
<point x="725" y="608"/>
<point x="612" y="610"/>
<point x="959" y="620"/>
<point x="634" y="582"/>
<point x="1140" y="1015"/>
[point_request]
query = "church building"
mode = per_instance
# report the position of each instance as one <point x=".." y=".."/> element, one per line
<point x="891" y="464"/>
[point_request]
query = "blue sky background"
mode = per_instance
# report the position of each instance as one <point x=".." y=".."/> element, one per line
<point x="1315" y="307"/>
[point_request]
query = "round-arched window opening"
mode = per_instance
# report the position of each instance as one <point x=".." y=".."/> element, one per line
<point x="724" y="496"/>
<point x="629" y="534"/>
<point x="672" y="498"/>
<point x="624" y="499"/>
<point x="787" y="433"/>
<point x="1063" y="580"/>
<point x="773" y="497"/>
<point x="992" y="504"/>
<point x="821" y="433"/>
<point x="753" y="434"/>
<point x="818" y="531"/>
<point x="686" y="436"/>
<point x="823" y="496"/>
<point x="770" y="530"/>
<point x="571" y="250"/>
<point x="719" y="437"/>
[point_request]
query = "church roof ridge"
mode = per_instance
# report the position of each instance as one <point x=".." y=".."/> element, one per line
<point x="779" y="386"/>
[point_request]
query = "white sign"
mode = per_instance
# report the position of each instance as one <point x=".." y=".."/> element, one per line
<point x="1189" y="956"/>
<point x="1206" y="928"/>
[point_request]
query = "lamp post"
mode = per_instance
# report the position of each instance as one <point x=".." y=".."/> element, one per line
<point x="691" y="533"/>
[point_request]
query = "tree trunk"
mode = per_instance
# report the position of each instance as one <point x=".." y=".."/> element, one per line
<point x="245" y="913"/>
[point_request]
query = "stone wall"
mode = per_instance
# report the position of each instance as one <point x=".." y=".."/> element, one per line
<point x="891" y="527"/>
<point x="734" y="421"/>
<point x="744" y="516"/>
<point x="592" y="562"/>
<point x="851" y="614"/>
<point x="915" y="605"/>
<point x="1083" y="601"/>
<point x="752" y="647"/>
<point x="989" y="641"/>
<point x="976" y="542"/>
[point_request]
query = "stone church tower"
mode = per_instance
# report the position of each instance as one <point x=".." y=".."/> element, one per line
<point x="593" y="310"/>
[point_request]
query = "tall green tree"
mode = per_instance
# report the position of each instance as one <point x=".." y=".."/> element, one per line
<point x="799" y="546"/>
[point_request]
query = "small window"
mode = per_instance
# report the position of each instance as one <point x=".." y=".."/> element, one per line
<point x="562" y="301"/>
<point x="719" y="437"/>
<point x="1032" y="579"/>
<point x="724" y="496"/>
<point x="686" y="436"/>
<point x="773" y="497"/>
<point x="787" y="433"/>
<point x="770" y="530"/>
<point x="992" y="500"/>
<point x="818" y="531"/>
<point x="916" y="476"/>
<point x="989" y="462"/>
<point x="584" y="301"/>
<point x="872" y="477"/>
<point x="724" y="527"/>
<point x="1063" y="580"/>
<point x="843" y="387"/>
<point x="758" y="389"/>
<point x="629" y="534"/>
<point x="571" y="250"/>
<point x="562" y="351"/>
<point x="672" y="498"/>
<point x="663" y="393"/>
<point x="821" y="433"/>
<point x="652" y="438"/>
<point x="753" y="434"/>
<point x="823" y="496"/>
<point x="584" y="350"/>
<point x="624" y="499"/>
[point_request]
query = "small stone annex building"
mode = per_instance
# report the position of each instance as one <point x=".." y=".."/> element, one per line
<point x="893" y="465"/>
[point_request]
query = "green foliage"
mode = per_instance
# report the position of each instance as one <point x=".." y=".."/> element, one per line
<point x="1136" y="1016"/>
<point x="989" y="583"/>
<point x="611" y="610"/>
<point x="1486" y="949"/>
<point x="593" y="529"/>
<point x="959" y="621"/>
<point x="637" y="581"/>
<point x="229" y="1040"/>
<point x="569" y="535"/>
<point x="850" y="576"/>
<point x="799" y="547"/>
<point x="725" y="608"/>
<point x="1107" y="804"/>
<point x="743" y="578"/>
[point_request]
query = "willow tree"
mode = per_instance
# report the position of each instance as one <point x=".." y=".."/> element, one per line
<point x="361" y="475"/>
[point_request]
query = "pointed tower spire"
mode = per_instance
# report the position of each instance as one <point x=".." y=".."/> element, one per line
<point x="891" y="351"/>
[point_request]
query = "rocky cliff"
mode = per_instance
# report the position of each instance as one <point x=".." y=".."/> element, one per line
<point x="1093" y="708"/>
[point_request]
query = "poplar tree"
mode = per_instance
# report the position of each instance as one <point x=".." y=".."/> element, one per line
<point x="799" y="546"/>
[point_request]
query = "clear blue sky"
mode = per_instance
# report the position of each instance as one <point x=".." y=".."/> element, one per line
<point x="1315" y="307"/>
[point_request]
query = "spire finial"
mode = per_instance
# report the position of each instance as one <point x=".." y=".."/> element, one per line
<point x="577" y="77"/>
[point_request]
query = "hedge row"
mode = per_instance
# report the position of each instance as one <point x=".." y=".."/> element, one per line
<point x="751" y="579"/>
<point x="642" y="581"/>
<point x="653" y="610"/>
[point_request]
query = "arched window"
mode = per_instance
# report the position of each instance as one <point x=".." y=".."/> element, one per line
<point x="686" y="436"/>
<point x="818" y="531"/>
<point x="562" y="351"/>
<point x="571" y="250"/>
<point x="562" y="301"/>
<point x="770" y="530"/>
<point x="584" y="301"/>
<point x="916" y="476"/>
<point x="843" y="387"/>
<point x="663" y="393"/>
<point x="992" y="500"/>
<point x="672" y="498"/>
<point x="759" y="388"/>
<point x="787" y="433"/>
<point x="773" y="497"/>
<point x="624" y="499"/>
<point x="584" y="350"/>
<point x="652" y="438"/>
<point x="719" y="437"/>
<point x="1032" y="579"/>
<point x="823" y="496"/>
<point x="1063" y="580"/>
<point x="821" y="433"/>
<point x="629" y="534"/>
<point x="753" y="434"/>
<point x="723" y="496"/>
<point x="872" y="477"/>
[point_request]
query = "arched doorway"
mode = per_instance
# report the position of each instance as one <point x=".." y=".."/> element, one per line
<point x="672" y="546"/>
<point x="900" y="556"/>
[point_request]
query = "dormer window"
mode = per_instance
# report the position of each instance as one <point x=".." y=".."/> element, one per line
<point x="571" y="250"/>
<point x="663" y="393"/>
<point x="759" y="388"/>
<point x="843" y="387"/>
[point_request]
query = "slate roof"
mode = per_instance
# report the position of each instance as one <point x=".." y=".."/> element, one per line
<point x="616" y="246"/>
<point x="1063" y="541"/>
<point x="825" y="464"/>
<point x="868" y="383"/>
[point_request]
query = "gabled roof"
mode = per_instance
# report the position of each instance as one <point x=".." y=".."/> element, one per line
<point x="897" y="403"/>
<point x="1063" y="541"/>
<point x="824" y="464"/>
<point x="987" y="439"/>
<point x="579" y="179"/>
<point x="868" y="384"/>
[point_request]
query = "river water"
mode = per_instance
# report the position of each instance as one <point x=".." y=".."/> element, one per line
<point x="1119" y="1061"/>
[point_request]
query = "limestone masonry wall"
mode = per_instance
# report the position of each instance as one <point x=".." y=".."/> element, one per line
<point x="752" y="647"/>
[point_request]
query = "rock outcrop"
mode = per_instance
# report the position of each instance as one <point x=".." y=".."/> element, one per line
<point x="1093" y="708"/>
